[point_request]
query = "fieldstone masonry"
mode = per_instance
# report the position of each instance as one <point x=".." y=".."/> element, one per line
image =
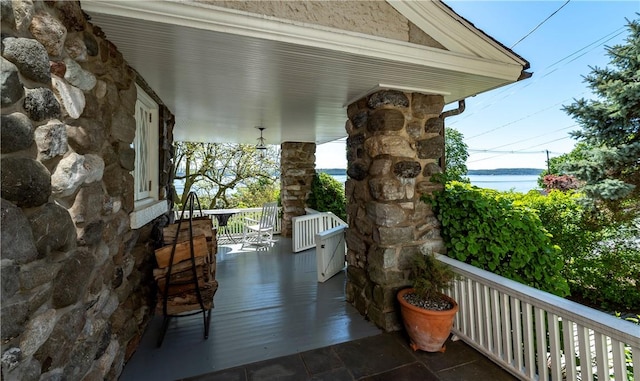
<point x="395" y="145"/>
<point x="297" y="170"/>
<point x="75" y="278"/>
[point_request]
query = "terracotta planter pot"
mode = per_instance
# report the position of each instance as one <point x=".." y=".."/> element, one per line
<point x="427" y="329"/>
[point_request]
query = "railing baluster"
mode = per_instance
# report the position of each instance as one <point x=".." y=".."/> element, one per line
<point x="586" y="359"/>
<point x="619" y="366"/>
<point x="486" y="310"/>
<point x="506" y="328"/>
<point x="474" y="311"/>
<point x="529" y="340"/>
<point x="601" y="356"/>
<point x="471" y="322"/>
<point x="569" y="348"/>
<point x="457" y="293"/>
<point x="541" y="343"/>
<point x="479" y="312"/>
<point x="497" y="324"/>
<point x="516" y="326"/>
<point x="554" y="346"/>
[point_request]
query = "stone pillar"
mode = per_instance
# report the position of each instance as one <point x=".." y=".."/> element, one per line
<point x="395" y="145"/>
<point x="297" y="167"/>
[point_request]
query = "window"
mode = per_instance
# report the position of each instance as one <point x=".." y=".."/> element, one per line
<point x="147" y="206"/>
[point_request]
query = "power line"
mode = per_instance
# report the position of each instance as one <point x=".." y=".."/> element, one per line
<point x="522" y="151"/>
<point x="538" y="26"/>
<point x="534" y="137"/>
<point x="518" y="120"/>
<point x="518" y="152"/>
<point x="543" y="73"/>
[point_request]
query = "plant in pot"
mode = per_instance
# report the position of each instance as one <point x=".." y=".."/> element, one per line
<point x="427" y="313"/>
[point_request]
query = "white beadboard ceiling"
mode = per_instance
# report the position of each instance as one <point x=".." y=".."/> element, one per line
<point x="224" y="72"/>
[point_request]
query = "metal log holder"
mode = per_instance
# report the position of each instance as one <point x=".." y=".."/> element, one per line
<point x="192" y="198"/>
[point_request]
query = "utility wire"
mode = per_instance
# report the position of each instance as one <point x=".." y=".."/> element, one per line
<point x="538" y="26"/>
<point x="512" y="88"/>
<point x="510" y="152"/>
<point x="522" y="150"/>
<point x="518" y="120"/>
<point x="534" y="137"/>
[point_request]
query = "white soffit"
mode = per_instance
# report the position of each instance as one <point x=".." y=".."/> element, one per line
<point x="223" y="71"/>
<point x="219" y="19"/>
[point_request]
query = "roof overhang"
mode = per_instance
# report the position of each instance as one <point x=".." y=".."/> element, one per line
<point x="222" y="71"/>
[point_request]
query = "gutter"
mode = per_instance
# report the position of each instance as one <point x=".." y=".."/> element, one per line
<point x="455" y="111"/>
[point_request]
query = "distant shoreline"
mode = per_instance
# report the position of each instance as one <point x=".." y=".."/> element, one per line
<point x="484" y="172"/>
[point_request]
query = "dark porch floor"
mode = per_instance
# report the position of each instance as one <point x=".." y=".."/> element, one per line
<point x="384" y="357"/>
<point x="273" y="321"/>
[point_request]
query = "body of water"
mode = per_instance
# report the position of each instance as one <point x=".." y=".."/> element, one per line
<point x="518" y="183"/>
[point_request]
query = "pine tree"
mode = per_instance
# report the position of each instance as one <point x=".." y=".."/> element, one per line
<point x="610" y="125"/>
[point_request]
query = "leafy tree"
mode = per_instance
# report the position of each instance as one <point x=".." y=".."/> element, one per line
<point x="327" y="195"/>
<point x="456" y="155"/>
<point x="255" y="194"/>
<point x="214" y="169"/>
<point x="611" y="127"/>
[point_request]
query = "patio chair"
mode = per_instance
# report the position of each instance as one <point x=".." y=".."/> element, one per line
<point x="260" y="232"/>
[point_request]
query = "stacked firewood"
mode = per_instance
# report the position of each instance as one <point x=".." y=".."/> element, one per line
<point x="182" y="293"/>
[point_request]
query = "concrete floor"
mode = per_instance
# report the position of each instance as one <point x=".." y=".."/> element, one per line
<point x="272" y="320"/>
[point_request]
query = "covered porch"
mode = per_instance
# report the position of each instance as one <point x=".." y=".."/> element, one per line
<point x="273" y="319"/>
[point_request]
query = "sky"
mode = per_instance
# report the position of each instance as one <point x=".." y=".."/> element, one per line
<point x="519" y="123"/>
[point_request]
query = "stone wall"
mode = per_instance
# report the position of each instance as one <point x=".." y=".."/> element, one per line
<point x="76" y="280"/>
<point x="297" y="169"/>
<point x="395" y="145"/>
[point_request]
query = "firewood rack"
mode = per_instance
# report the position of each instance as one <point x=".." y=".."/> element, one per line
<point x="192" y="282"/>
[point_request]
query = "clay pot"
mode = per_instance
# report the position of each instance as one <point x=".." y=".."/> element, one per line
<point x="427" y="329"/>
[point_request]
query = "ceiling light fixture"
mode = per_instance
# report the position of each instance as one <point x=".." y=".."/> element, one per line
<point x="261" y="142"/>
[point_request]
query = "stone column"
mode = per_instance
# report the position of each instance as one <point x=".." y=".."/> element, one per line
<point x="395" y="145"/>
<point x="297" y="167"/>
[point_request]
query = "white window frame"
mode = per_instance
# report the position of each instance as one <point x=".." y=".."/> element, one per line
<point x="147" y="206"/>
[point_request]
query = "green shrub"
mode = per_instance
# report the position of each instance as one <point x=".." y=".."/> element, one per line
<point x="487" y="229"/>
<point x="601" y="261"/>
<point x="566" y="219"/>
<point x="327" y="195"/>
<point x="609" y="276"/>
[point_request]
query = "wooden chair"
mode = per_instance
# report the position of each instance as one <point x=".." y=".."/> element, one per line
<point x="260" y="232"/>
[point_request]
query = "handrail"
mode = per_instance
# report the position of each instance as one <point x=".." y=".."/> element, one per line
<point x="579" y="313"/>
<point x="305" y="228"/>
<point x="234" y="225"/>
<point x="539" y="336"/>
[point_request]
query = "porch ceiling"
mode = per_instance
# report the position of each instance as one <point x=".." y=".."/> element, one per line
<point x="224" y="72"/>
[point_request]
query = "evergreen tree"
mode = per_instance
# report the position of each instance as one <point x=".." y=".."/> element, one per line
<point x="610" y="125"/>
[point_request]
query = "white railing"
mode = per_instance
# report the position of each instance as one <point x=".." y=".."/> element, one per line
<point x="539" y="336"/>
<point x="234" y="227"/>
<point x="331" y="249"/>
<point x="305" y="228"/>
